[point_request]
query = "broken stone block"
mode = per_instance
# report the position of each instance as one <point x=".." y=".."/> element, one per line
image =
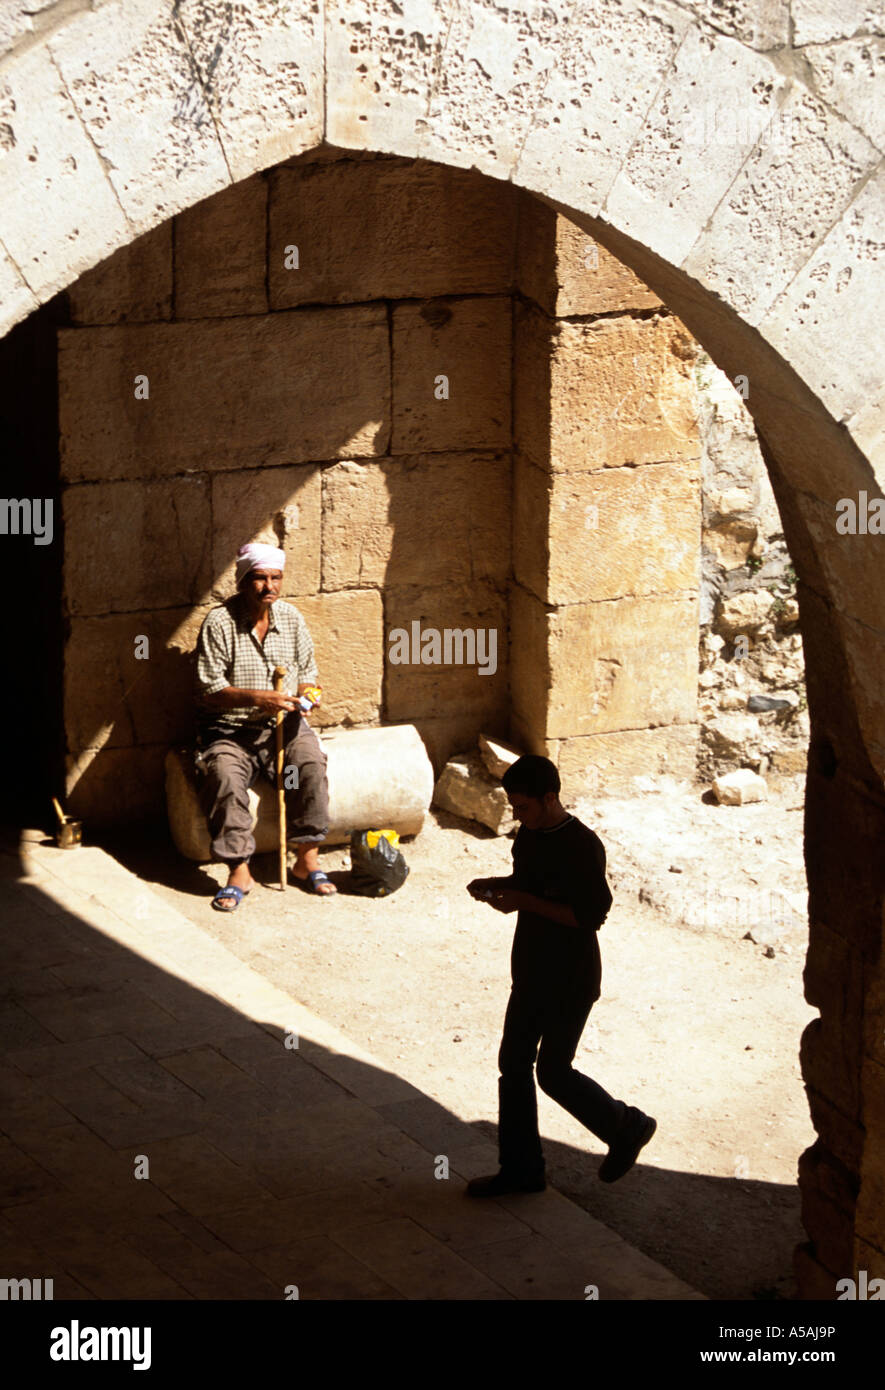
<point x="739" y="788"/>
<point x="467" y="788"/>
<point x="733" y="736"/>
<point x="496" y="755"/>
<point x="744" y="612"/>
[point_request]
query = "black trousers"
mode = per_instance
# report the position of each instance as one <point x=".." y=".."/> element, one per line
<point x="546" y="1023"/>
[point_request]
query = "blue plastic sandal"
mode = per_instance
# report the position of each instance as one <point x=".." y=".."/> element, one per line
<point x="314" y="877"/>
<point x="225" y="894"/>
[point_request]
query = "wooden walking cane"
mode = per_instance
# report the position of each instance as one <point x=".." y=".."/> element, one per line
<point x="279" y="676"/>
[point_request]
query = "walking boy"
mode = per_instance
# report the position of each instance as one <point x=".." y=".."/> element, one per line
<point x="559" y="891"/>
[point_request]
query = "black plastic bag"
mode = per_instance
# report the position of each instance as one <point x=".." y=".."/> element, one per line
<point x="377" y="870"/>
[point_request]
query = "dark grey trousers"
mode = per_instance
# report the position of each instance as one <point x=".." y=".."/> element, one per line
<point x="227" y="767"/>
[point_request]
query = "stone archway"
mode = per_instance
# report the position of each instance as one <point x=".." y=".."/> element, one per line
<point x="759" y="232"/>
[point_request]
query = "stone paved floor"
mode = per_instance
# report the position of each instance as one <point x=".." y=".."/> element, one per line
<point x="131" y="1040"/>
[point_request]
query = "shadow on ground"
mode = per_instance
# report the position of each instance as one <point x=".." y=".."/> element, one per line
<point x="160" y="1144"/>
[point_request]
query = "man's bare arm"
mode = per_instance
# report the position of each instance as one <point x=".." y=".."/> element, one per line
<point x="232" y="697"/>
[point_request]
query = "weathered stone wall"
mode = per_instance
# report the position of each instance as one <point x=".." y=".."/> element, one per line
<point x="606" y="538"/>
<point x="297" y="405"/>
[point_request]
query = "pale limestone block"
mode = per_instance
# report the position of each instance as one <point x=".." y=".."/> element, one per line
<point x="131" y="76"/>
<point x="629" y="664"/>
<point x="115" y="697"/>
<point x="261" y="65"/>
<point x="381" y="61"/>
<point x="566" y="272"/>
<point x="497" y="755"/>
<point x="348" y="639"/>
<point x="819" y="21"/>
<point x="840" y="284"/>
<point x="106" y="786"/>
<point x="762" y="24"/>
<point x="132" y="546"/>
<point x="466" y="788"/>
<point x="735" y="737"/>
<point x="418" y="689"/>
<point x="731" y="542"/>
<point x="413" y="520"/>
<point x="15" y="23"/>
<point x="781" y="205"/>
<point x="620" y="392"/>
<point x="378" y="779"/>
<point x="627" y="531"/>
<point x="388" y="230"/>
<point x="731" y="503"/>
<point x="16" y="300"/>
<point x="604" y="764"/>
<point x="718" y="99"/>
<point x="494" y="68"/>
<point x="848" y="77"/>
<point x="740" y="788"/>
<point x="468" y="342"/>
<point x="609" y="67"/>
<point x="60" y="214"/>
<point x="744" y="612"/>
<point x="220" y="253"/>
<point x="276" y="506"/>
<point x="134" y="285"/>
<point x="265" y="390"/>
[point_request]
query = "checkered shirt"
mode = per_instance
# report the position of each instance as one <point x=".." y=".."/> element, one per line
<point x="229" y="653"/>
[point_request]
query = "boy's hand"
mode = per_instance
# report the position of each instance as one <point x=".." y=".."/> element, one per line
<point x="481" y="888"/>
<point x="505" y="899"/>
<point x="495" y="892"/>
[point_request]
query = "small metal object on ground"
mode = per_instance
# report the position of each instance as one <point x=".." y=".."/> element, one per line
<point x="70" y="832"/>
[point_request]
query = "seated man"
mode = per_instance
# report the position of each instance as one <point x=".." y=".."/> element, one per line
<point x="240" y="644"/>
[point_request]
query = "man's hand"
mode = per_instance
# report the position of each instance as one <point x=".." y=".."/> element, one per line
<point x="274" y="700"/>
<point x="232" y="697"/>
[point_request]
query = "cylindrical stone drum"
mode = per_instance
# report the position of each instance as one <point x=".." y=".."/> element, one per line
<point x="378" y="778"/>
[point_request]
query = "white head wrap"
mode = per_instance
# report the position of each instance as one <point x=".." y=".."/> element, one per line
<point x="254" y="556"/>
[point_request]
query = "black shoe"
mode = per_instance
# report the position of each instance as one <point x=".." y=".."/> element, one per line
<point x="623" y="1152"/>
<point x="499" y="1184"/>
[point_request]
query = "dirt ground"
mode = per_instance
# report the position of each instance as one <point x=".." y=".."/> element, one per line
<point x="697" y="1025"/>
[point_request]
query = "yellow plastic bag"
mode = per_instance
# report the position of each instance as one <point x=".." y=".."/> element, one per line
<point x="373" y="836"/>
